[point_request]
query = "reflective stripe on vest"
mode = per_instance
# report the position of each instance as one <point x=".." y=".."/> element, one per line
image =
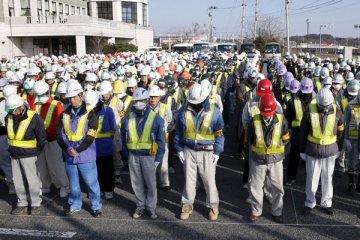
<point x="79" y="134"/>
<point x="99" y="133"/>
<point x="162" y="110"/>
<point x="298" y="113"/>
<point x="323" y="138"/>
<point x="254" y="109"/>
<point x="317" y="84"/>
<point x="17" y="140"/>
<point x="113" y="104"/>
<point x="53" y="88"/>
<point x="49" y="113"/>
<point x="260" y="147"/>
<point x="142" y="143"/>
<point x="344" y="103"/>
<point x="212" y="99"/>
<point x="192" y="133"/>
<point x="354" y="121"/>
<point x="218" y="80"/>
<point x="127" y="102"/>
<point x="248" y="89"/>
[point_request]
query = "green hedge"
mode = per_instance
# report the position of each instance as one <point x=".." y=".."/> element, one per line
<point x="120" y="47"/>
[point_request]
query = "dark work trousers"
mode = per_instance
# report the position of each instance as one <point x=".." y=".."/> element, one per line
<point x="171" y="148"/>
<point x="293" y="163"/>
<point x="105" y="167"/>
<point x="246" y="164"/>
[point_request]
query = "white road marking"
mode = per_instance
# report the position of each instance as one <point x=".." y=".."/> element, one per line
<point x="36" y="233"/>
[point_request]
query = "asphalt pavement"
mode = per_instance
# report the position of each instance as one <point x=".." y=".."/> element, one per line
<point x="233" y="223"/>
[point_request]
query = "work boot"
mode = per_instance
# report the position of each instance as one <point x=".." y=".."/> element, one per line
<point x="254" y="218"/>
<point x="20" y="211"/>
<point x="35" y="210"/>
<point x="306" y="211"/>
<point x="152" y="214"/>
<point x="186" y="211"/>
<point x="138" y="212"/>
<point x="213" y="214"/>
<point x="328" y="210"/>
<point x="278" y="219"/>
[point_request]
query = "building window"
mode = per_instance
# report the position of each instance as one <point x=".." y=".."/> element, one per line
<point x="129" y="12"/>
<point x="39" y="7"/>
<point x="78" y="10"/>
<point x="11" y="8"/>
<point x="61" y="12"/>
<point x="25" y="7"/>
<point x="53" y="7"/>
<point x="83" y="11"/>
<point x="66" y="9"/>
<point x="145" y="15"/>
<point x="105" y="10"/>
<point x="47" y="7"/>
<point x="72" y="10"/>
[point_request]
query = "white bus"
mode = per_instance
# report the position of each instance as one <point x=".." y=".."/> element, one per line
<point x="183" y="47"/>
<point x="272" y="49"/>
<point x="226" y="47"/>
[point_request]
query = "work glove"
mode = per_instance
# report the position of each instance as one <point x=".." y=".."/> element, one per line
<point x="215" y="159"/>
<point x="348" y="145"/>
<point x="156" y="164"/>
<point x="303" y="156"/>
<point x="181" y="157"/>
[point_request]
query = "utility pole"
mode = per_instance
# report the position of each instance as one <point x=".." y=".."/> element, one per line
<point x="169" y="43"/>
<point x="256" y="17"/>
<point x="242" y="21"/>
<point x="307" y="33"/>
<point x="211" y="19"/>
<point x="321" y="26"/>
<point x="287" y="25"/>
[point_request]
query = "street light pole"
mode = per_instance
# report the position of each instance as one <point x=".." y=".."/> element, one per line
<point x="307" y="33"/>
<point x="321" y="26"/>
<point x="287" y="24"/>
<point x="256" y="18"/>
<point x="242" y="21"/>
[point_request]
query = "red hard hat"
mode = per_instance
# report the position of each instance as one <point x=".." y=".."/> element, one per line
<point x="267" y="105"/>
<point x="264" y="87"/>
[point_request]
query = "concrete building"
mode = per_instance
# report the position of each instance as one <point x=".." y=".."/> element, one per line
<point x="30" y="27"/>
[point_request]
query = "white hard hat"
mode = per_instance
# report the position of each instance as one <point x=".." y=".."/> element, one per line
<point x="9" y="90"/>
<point x="91" y="77"/>
<point x="14" y="78"/>
<point x="105" y="87"/>
<point x="341" y="56"/>
<point x="144" y="72"/>
<point x="13" y="101"/>
<point x="132" y="82"/>
<point x="179" y="68"/>
<point x="325" y="97"/>
<point x="260" y="76"/>
<point x="91" y="98"/>
<point x="33" y="72"/>
<point x="206" y="85"/>
<point x="327" y="81"/>
<point x="49" y="76"/>
<point x="197" y="94"/>
<point x="338" y="78"/>
<point x="29" y="84"/>
<point x="41" y="88"/>
<point x="105" y="76"/>
<point x="140" y="94"/>
<point x="73" y="89"/>
<point x="61" y="88"/>
<point x="349" y="76"/>
<point x="3" y="82"/>
<point x="154" y="91"/>
<point x="20" y="75"/>
<point x="353" y="87"/>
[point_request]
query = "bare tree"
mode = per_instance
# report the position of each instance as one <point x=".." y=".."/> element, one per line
<point x="98" y="42"/>
<point x="268" y="27"/>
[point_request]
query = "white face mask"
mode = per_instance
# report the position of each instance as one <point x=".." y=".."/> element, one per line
<point x="140" y="105"/>
<point x="44" y="99"/>
<point x="89" y="87"/>
<point x="337" y="87"/>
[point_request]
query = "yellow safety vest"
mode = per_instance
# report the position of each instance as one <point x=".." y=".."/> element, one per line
<point x="113" y="103"/>
<point x="192" y="133"/>
<point x="213" y="95"/>
<point x="79" y="133"/>
<point x="260" y="147"/>
<point x="298" y="113"/>
<point x="354" y="121"/>
<point x="53" y="88"/>
<point x="323" y="138"/>
<point x="176" y="97"/>
<point x="142" y="143"/>
<point x="49" y="114"/>
<point x="248" y="89"/>
<point x="218" y="80"/>
<point x="127" y="102"/>
<point x="344" y="103"/>
<point x="254" y="109"/>
<point x="17" y="140"/>
<point x="162" y="113"/>
<point x="317" y="84"/>
<point x="101" y="134"/>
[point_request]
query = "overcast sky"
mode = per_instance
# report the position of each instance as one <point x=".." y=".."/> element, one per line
<point x="339" y="16"/>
